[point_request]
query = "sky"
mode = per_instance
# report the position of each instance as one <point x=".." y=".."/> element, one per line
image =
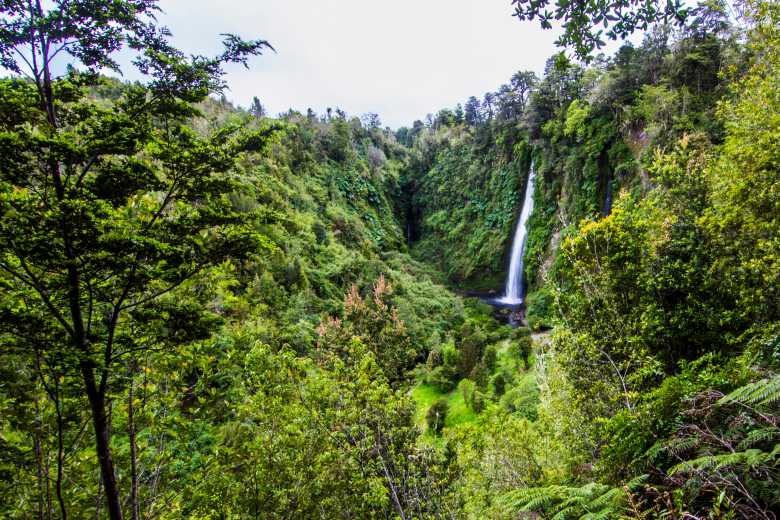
<point x="401" y="59"/>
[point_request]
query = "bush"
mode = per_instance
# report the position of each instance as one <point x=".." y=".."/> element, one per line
<point x="450" y="356"/>
<point x="489" y="358"/>
<point x="500" y="334"/>
<point x="437" y="415"/>
<point x="499" y="384"/>
<point x="522" y="400"/>
<point x="539" y="310"/>
<point x="321" y="233"/>
<point x="471" y="346"/>
<point x="477" y="401"/>
<point x="442" y="378"/>
<point x="521" y="346"/>
<point x="434" y="359"/>
<point x="479" y="374"/>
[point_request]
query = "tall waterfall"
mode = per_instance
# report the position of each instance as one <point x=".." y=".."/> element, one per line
<point x="514" y="289"/>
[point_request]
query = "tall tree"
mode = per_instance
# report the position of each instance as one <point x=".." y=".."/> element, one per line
<point x="472" y="111"/>
<point x="257" y="109"/>
<point x="524" y="82"/>
<point x="107" y="209"/>
<point x="459" y="113"/>
<point x="371" y="120"/>
<point x="488" y="105"/>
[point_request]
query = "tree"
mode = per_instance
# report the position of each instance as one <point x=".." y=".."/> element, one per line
<point x="488" y="105"/>
<point x="437" y="416"/>
<point x="472" y="113"/>
<point x="257" y="109"/>
<point x="507" y="102"/>
<point x="105" y="210"/>
<point x="459" y="113"/>
<point x="371" y="121"/>
<point x="329" y="440"/>
<point x="375" y="321"/>
<point x="581" y="20"/>
<point x="524" y="82"/>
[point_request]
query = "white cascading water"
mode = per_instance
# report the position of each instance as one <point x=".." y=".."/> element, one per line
<point x="513" y="291"/>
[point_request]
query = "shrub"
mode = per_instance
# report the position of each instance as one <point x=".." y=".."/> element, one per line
<point x="434" y="359"/>
<point x="499" y="384"/>
<point x="444" y="368"/>
<point x="471" y="346"/>
<point x="479" y="374"/>
<point x="539" y="310"/>
<point x="321" y="233"/>
<point x="522" y="400"/>
<point x="489" y="359"/>
<point x="521" y="346"/>
<point x="442" y="378"/>
<point x="437" y="415"/>
<point x="477" y="401"/>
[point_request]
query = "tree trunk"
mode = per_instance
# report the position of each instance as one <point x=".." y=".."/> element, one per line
<point x="39" y="459"/>
<point x="47" y="478"/>
<point x="97" y="402"/>
<point x="60" y="462"/>
<point x="99" y="498"/>
<point x="135" y="510"/>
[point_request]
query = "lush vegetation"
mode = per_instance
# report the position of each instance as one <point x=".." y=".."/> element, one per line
<point x="207" y="312"/>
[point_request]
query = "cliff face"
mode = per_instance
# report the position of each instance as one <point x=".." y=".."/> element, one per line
<point x="466" y="200"/>
<point x="591" y="132"/>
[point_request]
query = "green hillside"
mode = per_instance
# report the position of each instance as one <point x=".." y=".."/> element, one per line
<point x="208" y="312"/>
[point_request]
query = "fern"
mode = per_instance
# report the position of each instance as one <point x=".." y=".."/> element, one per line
<point x="761" y="393"/>
<point x="758" y="436"/>
<point x="775" y="452"/>
<point x="566" y="512"/>
<point x="611" y="496"/>
<point x="674" y="446"/>
<point x="603" y="515"/>
<point x="591" y="501"/>
<point x="749" y="459"/>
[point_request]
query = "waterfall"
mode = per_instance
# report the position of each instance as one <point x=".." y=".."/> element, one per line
<point x="608" y="198"/>
<point x="514" y="289"/>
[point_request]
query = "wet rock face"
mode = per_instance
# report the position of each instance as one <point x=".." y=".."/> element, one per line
<point x="514" y="316"/>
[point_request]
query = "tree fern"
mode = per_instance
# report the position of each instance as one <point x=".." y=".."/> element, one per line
<point x="761" y="393"/>
<point x="674" y="446"/>
<point x="591" y="501"/>
<point x="748" y="459"/>
<point x="759" y="436"/>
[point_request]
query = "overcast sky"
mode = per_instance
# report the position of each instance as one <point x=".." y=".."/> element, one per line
<point x="399" y="58"/>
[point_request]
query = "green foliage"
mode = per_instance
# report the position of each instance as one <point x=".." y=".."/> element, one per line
<point x="584" y="24"/>
<point x="540" y="309"/>
<point x="106" y="209"/>
<point x="437" y="416"/>
<point x="498" y="382"/>
<point x="308" y="440"/>
<point x="762" y="393"/>
<point x="590" y="501"/>
<point x="467" y="202"/>
<point x="376" y="324"/>
<point x="226" y="306"/>
<point x="727" y="465"/>
<point x="495" y="456"/>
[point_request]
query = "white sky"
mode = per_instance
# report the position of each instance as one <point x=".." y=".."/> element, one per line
<point x="399" y="58"/>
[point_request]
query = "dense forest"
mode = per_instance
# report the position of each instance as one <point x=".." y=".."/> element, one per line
<point x="210" y="312"/>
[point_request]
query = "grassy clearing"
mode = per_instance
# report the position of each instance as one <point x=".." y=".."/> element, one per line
<point x="459" y="412"/>
<point x="523" y="382"/>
